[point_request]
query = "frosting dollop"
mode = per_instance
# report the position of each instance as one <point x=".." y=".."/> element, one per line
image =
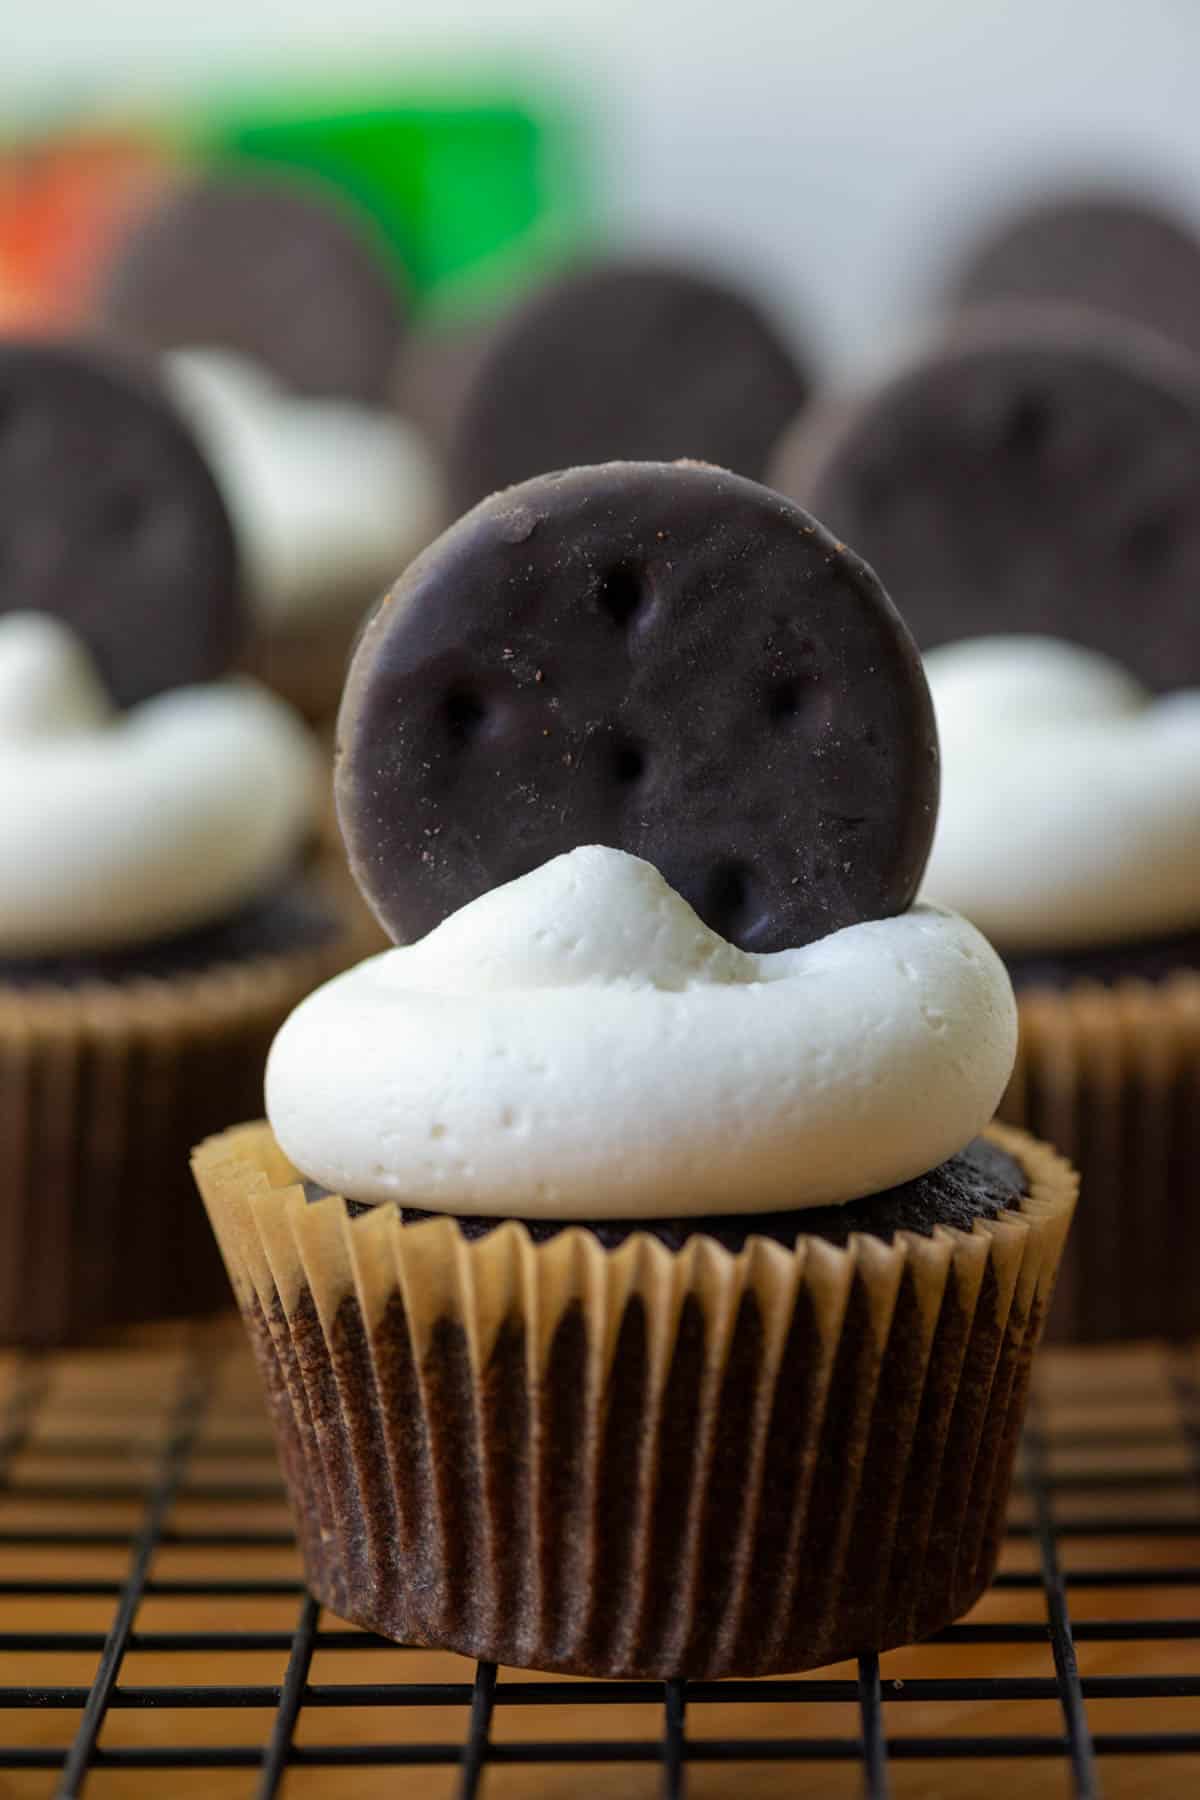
<point x="329" y="500"/>
<point x="578" y="1044"/>
<point x="117" y="828"/>
<point x="1070" y="810"/>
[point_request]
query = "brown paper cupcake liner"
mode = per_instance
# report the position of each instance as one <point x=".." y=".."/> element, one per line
<point x="1112" y="1076"/>
<point x="638" y="1462"/>
<point x="103" y="1091"/>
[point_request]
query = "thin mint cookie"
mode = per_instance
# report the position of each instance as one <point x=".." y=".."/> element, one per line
<point x="630" y="359"/>
<point x="110" y="519"/>
<point x="1026" y="475"/>
<point x="664" y="658"/>
<point x="278" y="270"/>
<point x="1112" y="252"/>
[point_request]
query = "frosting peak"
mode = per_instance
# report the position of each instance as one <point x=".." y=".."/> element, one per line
<point x="593" y="916"/>
<point x="49" y="685"/>
<point x="577" y="1044"/>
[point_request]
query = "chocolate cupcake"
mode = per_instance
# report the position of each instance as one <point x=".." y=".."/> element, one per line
<point x="1070" y="833"/>
<point x="633" y="1289"/>
<point x="1030" y="488"/>
<point x="152" y="814"/>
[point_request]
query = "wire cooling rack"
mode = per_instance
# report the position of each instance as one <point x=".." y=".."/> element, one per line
<point x="155" y="1639"/>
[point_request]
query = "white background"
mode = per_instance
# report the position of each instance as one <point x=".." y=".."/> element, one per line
<point x="831" y="147"/>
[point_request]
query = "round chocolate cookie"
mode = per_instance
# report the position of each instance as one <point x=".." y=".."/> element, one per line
<point x="624" y="359"/>
<point x="110" y="518"/>
<point x="1025" y="476"/>
<point x="280" y="271"/>
<point x="663" y="658"/>
<point x="1109" y="251"/>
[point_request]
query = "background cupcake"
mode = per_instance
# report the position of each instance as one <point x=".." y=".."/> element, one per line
<point x="1038" y="472"/>
<point x="758" y="1408"/>
<point x="1070" y="831"/>
<point x="153" y="814"/>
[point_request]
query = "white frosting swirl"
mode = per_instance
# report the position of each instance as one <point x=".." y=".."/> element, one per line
<point x="1070" y="810"/>
<point x="118" y="828"/>
<point x="579" y="1044"/>
<point x="330" y="501"/>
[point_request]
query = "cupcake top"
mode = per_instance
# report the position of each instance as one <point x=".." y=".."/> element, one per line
<point x="586" y="1031"/>
<point x="140" y="794"/>
<point x="577" y="1043"/>
<point x="119" y="828"/>
<point x="1070" y="810"/>
<point x="1035" y="471"/>
<point x="328" y="497"/>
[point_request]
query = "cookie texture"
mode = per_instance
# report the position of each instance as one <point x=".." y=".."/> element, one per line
<point x="664" y="658"/>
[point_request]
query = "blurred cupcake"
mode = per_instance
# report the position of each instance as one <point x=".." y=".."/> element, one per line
<point x="279" y="317"/>
<point x="1069" y="832"/>
<point x="152" y="814"/>
<point x="637" y="1297"/>
<point x="1037" y="474"/>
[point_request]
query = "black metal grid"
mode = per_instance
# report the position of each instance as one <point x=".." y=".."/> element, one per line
<point x="139" y="1459"/>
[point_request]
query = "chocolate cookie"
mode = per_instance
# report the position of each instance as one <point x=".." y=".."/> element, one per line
<point x="1025" y="476"/>
<point x="109" y="518"/>
<point x="283" y="272"/>
<point x="625" y="359"/>
<point x="668" y="659"/>
<point x="1112" y="252"/>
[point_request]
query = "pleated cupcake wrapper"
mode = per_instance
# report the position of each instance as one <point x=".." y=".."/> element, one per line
<point x="104" y="1088"/>
<point x="638" y="1462"/>
<point x="1112" y="1077"/>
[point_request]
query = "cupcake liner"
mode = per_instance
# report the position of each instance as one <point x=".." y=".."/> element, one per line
<point x="1112" y="1076"/>
<point x="637" y="1462"/>
<point x="103" y="1090"/>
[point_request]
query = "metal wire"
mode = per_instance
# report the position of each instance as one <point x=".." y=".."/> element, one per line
<point x="176" y="1461"/>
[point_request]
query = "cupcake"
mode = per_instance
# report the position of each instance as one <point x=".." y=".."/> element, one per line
<point x="1035" y="478"/>
<point x="152" y="813"/>
<point x="278" y="320"/>
<point x="637" y="1283"/>
<point x="1070" y="833"/>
